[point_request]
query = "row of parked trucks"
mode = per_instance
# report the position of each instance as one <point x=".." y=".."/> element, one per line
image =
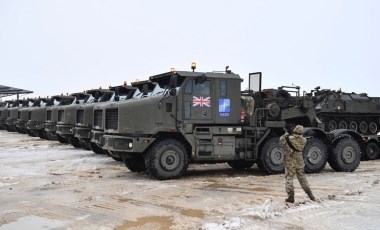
<point x="163" y="124"/>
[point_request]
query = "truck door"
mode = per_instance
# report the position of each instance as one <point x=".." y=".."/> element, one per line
<point x="197" y="100"/>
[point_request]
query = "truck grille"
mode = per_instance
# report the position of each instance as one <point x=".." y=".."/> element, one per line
<point x="80" y="116"/>
<point x="61" y="114"/>
<point x="112" y="118"/>
<point x="48" y="115"/>
<point x="18" y="114"/>
<point x="98" y="116"/>
<point x="29" y="115"/>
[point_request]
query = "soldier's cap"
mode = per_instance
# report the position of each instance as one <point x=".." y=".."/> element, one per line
<point x="298" y="130"/>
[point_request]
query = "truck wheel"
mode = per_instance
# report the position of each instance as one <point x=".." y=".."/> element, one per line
<point x="96" y="148"/>
<point x="74" y="142"/>
<point x="62" y="139"/>
<point x="85" y="144"/>
<point x="50" y="137"/>
<point x="371" y="151"/>
<point x="314" y="155"/>
<point x="271" y="157"/>
<point x="41" y="134"/>
<point x="240" y="164"/>
<point x="114" y="156"/>
<point x="345" y="156"/>
<point x="135" y="164"/>
<point x="166" y="159"/>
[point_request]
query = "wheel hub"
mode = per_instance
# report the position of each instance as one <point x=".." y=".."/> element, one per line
<point x="169" y="160"/>
<point x="277" y="156"/>
<point x="348" y="155"/>
<point x="314" y="155"/>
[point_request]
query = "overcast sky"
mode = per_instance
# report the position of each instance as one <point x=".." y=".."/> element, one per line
<point x="53" y="47"/>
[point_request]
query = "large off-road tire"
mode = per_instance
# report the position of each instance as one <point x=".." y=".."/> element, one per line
<point x="271" y="157"/>
<point x="166" y="159"/>
<point x="74" y="142"/>
<point x="240" y="164"/>
<point x="96" y="148"/>
<point x="136" y="163"/>
<point x="345" y="156"/>
<point x="62" y="139"/>
<point x="41" y="134"/>
<point x="85" y="144"/>
<point x="371" y="151"/>
<point x="314" y="155"/>
<point x="113" y="155"/>
<point x="51" y="137"/>
<point x="31" y="133"/>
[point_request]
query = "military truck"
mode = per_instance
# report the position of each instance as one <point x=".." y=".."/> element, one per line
<point x="140" y="89"/>
<point x="22" y="115"/>
<point x="205" y="117"/>
<point x="52" y="113"/>
<point x="82" y="121"/>
<point x="85" y="115"/>
<point x="66" y="118"/>
<point x="4" y="107"/>
<point x="341" y="110"/>
<point x="13" y="114"/>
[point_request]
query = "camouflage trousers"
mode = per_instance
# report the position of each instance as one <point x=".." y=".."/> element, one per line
<point x="294" y="165"/>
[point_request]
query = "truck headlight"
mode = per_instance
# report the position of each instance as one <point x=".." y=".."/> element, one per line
<point x="130" y="145"/>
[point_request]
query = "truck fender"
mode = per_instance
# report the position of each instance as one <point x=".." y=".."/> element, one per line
<point x="337" y="133"/>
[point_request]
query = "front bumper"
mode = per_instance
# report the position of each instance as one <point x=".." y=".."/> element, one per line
<point x="96" y="136"/>
<point x="125" y="144"/>
<point x="64" y="130"/>
<point x="35" y="126"/>
<point x="50" y="127"/>
<point x="82" y="133"/>
<point x="21" y="124"/>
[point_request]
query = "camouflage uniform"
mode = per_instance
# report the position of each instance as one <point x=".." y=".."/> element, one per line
<point x="294" y="163"/>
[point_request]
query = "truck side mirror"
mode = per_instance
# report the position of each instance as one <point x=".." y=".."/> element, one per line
<point x="174" y="81"/>
<point x="145" y="89"/>
<point x="201" y="79"/>
<point x="173" y="92"/>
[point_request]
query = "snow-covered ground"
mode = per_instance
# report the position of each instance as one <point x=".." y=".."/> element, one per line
<point x="48" y="185"/>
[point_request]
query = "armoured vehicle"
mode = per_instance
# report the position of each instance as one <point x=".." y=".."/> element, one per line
<point x="52" y="113"/>
<point x="340" y="110"/>
<point x="140" y="89"/>
<point x="85" y="115"/>
<point x="13" y="114"/>
<point x="66" y="118"/>
<point x="204" y="117"/>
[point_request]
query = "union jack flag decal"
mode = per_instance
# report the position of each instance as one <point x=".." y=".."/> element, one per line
<point x="201" y="101"/>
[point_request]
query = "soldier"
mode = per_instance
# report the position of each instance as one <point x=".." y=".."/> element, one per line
<point x="294" y="143"/>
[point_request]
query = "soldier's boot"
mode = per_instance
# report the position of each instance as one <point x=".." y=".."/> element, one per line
<point x="290" y="198"/>
<point x="310" y="194"/>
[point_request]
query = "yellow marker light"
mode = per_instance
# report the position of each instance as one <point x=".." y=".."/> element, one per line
<point x="193" y="66"/>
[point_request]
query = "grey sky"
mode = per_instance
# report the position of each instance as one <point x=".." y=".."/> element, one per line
<point x="54" y="47"/>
